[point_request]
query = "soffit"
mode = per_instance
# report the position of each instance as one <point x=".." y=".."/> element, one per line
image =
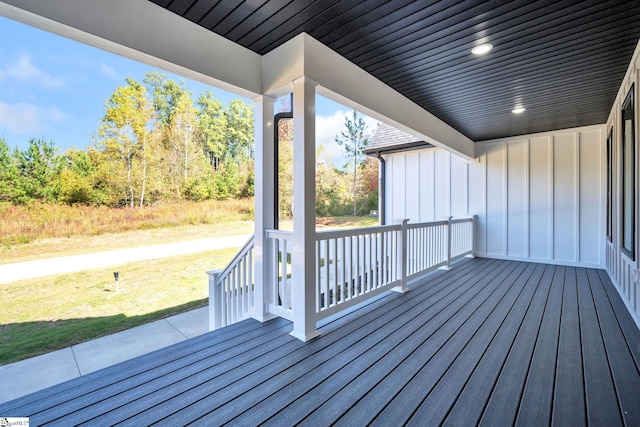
<point x="562" y="60"/>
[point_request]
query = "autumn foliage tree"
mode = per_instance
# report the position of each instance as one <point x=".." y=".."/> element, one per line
<point x="199" y="149"/>
<point x="155" y="143"/>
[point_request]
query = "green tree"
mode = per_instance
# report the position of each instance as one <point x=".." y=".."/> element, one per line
<point x="181" y="134"/>
<point x="39" y="167"/>
<point x="228" y="180"/>
<point x="10" y="189"/>
<point x="80" y="180"/>
<point x="212" y="127"/>
<point x="239" y="130"/>
<point x="353" y="140"/>
<point x="75" y="185"/>
<point x="166" y="95"/>
<point x="285" y="169"/>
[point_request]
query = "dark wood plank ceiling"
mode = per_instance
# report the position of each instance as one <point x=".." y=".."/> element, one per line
<point x="562" y="60"/>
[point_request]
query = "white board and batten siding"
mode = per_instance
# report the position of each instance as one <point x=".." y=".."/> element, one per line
<point x="624" y="271"/>
<point x="537" y="197"/>
<point x="419" y="185"/>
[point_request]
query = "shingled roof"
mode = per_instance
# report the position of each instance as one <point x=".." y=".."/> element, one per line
<point x="387" y="138"/>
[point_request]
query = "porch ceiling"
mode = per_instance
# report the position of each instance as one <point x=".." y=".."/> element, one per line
<point x="562" y="60"/>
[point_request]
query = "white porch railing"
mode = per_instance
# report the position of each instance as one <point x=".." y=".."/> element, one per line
<point x="356" y="264"/>
<point x="461" y="237"/>
<point x="280" y="248"/>
<point x="231" y="291"/>
<point x="352" y="265"/>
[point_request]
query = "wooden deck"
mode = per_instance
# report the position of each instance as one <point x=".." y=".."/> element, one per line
<point x="489" y="342"/>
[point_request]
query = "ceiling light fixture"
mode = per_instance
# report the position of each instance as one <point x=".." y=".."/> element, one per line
<point x="518" y="110"/>
<point x="482" y="49"/>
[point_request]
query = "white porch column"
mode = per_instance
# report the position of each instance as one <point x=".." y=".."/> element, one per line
<point x="264" y="202"/>
<point x="304" y="209"/>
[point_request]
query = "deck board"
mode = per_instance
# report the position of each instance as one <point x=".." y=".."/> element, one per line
<point x="345" y="390"/>
<point x="486" y="316"/>
<point x="537" y="398"/>
<point x="622" y="363"/>
<point x="493" y="390"/>
<point x="602" y="405"/>
<point x="369" y="405"/>
<point x="568" y="397"/>
<point x="490" y="342"/>
<point x="320" y="383"/>
<point x="485" y="354"/>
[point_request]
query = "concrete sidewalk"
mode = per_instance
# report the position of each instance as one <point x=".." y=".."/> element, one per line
<point x="74" y="263"/>
<point x="30" y="375"/>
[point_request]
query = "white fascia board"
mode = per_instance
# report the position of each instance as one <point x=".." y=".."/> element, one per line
<point x="343" y="81"/>
<point x="282" y="67"/>
<point x="145" y="32"/>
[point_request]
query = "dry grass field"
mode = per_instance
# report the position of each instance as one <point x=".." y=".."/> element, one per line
<point x="41" y="315"/>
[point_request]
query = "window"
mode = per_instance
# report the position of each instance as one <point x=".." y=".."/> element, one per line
<point x="610" y="186"/>
<point x="628" y="177"/>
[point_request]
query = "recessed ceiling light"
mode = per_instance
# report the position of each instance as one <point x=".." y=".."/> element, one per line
<point x="482" y="49"/>
<point x="518" y="110"/>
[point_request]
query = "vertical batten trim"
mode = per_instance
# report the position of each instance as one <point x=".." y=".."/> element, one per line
<point x="486" y="196"/>
<point x="419" y="219"/>
<point x="390" y="189"/>
<point x="603" y="190"/>
<point x="577" y="140"/>
<point x="449" y="175"/>
<point x="466" y="187"/>
<point x="433" y="185"/>
<point x="404" y="184"/>
<point x="552" y="235"/>
<point x="505" y="197"/>
<point x="527" y="197"/>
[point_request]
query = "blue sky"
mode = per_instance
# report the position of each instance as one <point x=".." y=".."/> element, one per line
<point x="54" y="88"/>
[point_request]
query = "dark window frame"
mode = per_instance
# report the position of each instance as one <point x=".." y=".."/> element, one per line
<point x="610" y="186"/>
<point x="628" y="176"/>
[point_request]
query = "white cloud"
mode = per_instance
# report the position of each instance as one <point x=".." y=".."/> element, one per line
<point x="108" y="71"/>
<point x="28" y="118"/>
<point x="327" y="127"/>
<point x="24" y="71"/>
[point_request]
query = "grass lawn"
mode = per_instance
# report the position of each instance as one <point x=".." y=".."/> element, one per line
<point x="41" y="315"/>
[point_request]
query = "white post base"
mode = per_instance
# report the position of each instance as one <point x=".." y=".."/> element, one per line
<point x="264" y="316"/>
<point x="304" y="338"/>
<point x="400" y="289"/>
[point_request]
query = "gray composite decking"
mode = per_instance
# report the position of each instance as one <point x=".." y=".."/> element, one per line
<point x="490" y="342"/>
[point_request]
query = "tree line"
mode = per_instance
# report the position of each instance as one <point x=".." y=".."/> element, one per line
<point x="156" y="143"/>
<point x="351" y="191"/>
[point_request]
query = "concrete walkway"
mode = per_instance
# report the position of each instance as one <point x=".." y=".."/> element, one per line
<point x="30" y="375"/>
<point x="69" y="264"/>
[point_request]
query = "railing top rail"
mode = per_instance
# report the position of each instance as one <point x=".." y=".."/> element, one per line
<point x="279" y="234"/>
<point x="352" y="232"/>
<point x="241" y="253"/>
<point x="458" y="220"/>
<point x="426" y="224"/>
<point x="435" y="223"/>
